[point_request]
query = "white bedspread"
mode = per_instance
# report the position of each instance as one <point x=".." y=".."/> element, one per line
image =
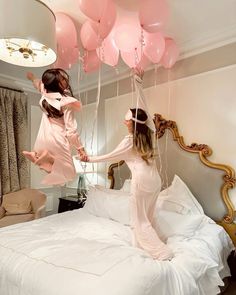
<point x="77" y="253"/>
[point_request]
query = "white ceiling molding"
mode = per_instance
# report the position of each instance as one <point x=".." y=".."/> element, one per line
<point x="16" y="83"/>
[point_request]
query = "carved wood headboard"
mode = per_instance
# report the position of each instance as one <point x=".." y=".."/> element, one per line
<point x="209" y="182"/>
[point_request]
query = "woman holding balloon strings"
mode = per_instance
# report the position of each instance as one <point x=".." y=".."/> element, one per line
<point x="58" y="129"/>
<point x="138" y="152"/>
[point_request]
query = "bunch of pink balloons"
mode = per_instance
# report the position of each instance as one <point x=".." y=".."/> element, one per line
<point x="137" y="37"/>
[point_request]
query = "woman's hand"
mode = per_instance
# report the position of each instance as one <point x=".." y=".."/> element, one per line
<point x="83" y="155"/>
<point x="30" y="76"/>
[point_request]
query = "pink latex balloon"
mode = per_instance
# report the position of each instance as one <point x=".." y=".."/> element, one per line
<point x="144" y="63"/>
<point x="153" y="15"/>
<point x="108" y="52"/>
<point x="93" y="9"/>
<point x="89" y="35"/>
<point x="127" y="36"/>
<point x="66" y="33"/>
<point x="133" y="58"/>
<point x="171" y="54"/>
<point x="91" y="61"/>
<point x="107" y="20"/>
<point x="154" y="46"/>
<point x="66" y="57"/>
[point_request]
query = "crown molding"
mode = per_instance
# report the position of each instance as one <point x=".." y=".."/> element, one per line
<point x="17" y="83"/>
<point x="208" y="42"/>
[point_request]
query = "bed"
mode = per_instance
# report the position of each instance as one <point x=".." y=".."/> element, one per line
<point x="89" y="251"/>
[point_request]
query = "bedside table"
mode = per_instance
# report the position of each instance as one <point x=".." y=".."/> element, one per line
<point x="69" y="203"/>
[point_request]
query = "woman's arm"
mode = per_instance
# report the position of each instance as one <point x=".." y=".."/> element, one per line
<point x="121" y="152"/>
<point x="36" y="82"/>
<point x="71" y="132"/>
<point x="71" y="127"/>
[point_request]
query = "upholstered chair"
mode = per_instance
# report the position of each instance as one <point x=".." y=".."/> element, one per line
<point x="21" y="206"/>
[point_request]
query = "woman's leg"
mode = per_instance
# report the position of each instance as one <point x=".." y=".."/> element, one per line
<point x="142" y="206"/>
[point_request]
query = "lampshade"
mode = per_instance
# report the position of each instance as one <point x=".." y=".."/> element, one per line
<point x="27" y="33"/>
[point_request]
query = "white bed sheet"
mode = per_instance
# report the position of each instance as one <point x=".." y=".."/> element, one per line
<point x="78" y="253"/>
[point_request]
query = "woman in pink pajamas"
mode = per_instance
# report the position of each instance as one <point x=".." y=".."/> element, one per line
<point x="137" y="151"/>
<point x="58" y="129"/>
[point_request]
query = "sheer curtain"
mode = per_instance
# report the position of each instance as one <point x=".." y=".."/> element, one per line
<point x="14" y="173"/>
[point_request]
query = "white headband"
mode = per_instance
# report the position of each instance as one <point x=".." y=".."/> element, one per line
<point x="129" y="116"/>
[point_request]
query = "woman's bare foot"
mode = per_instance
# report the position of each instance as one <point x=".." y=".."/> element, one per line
<point x="45" y="161"/>
<point x="32" y="156"/>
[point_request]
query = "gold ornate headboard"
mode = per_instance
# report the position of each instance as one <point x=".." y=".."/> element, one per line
<point x="209" y="182"/>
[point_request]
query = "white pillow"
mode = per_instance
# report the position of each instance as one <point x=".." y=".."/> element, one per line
<point x="114" y="204"/>
<point x="108" y="203"/>
<point x="178" y="198"/>
<point x="169" y="224"/>
<point x="126" y="186"/>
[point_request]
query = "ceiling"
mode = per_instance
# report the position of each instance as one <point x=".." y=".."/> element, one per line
<point x="196" y="26"/>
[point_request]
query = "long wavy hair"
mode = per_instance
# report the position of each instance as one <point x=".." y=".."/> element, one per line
<point x="55" y="80"/>
<point x="142" y="135"/>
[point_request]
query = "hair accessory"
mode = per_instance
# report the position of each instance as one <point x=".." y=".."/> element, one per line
<point x="129" y="116"/>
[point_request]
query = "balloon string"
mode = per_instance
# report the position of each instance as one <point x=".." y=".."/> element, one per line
<point x="132" y="89"/>
<point x="117" y="125"/>
<point x="155" y="75"/>
<point x="156" y="139"/>
<point x="84" y="165"/>
<point x="96" y="109"/>
<point x="167" y="131"/>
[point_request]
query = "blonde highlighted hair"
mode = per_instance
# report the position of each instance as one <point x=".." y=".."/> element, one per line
<point x="142" y="135"/>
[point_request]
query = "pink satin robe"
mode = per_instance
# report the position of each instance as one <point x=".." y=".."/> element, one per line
<point x="58" y="136"/>
<point x="145" y="187"/>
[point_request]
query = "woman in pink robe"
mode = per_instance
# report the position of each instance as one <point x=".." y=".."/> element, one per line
<point x="58" y="129"/>
<point x="137" y="151"/>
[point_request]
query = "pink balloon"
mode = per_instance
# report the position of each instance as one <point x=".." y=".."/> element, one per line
<point x="144" y="63"/>
<point x="91" y="61"/>
<point x="154" y="46"/>
<point x="133" y="58"/>
<point x="108" y="52"/>
<point x="89" y="35"/>
<point x="94" y="9"/>
<point x="66" y="57"/>
<point x="107" y="20"/>
<point x="171" y="54"/>
<point x="153" y="14"/>
<point x="128" y="36"/>
<point x="66" y="33"/>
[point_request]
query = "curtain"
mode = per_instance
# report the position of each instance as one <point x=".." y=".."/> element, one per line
<point x="14" y="172"/>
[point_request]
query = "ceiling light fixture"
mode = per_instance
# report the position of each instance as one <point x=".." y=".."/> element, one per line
<point x="27" y="33"/>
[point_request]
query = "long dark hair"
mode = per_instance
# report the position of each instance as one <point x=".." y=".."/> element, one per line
<point x="142" y="139"/>
<point x="55" y="80"/>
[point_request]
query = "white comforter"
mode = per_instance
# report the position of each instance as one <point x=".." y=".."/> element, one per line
<point x="78" y="253"/>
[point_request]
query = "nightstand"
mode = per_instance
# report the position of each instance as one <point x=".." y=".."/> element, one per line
<point x="69" y="203"/>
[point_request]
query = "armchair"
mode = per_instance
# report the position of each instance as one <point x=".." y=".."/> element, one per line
<point x="21" y="206"/>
